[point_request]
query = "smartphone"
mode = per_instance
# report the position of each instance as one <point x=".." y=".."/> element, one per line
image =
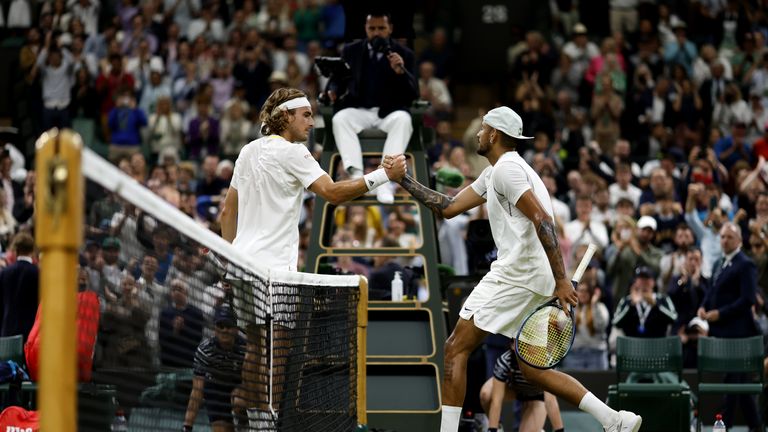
<point x="712" y="203"/>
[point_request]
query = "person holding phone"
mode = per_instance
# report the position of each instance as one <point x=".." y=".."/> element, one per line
<point x="705" y="225"/>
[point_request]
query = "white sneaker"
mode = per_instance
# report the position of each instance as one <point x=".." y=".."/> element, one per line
<point x="384" y="194"/>
<point x="628" y="422"/>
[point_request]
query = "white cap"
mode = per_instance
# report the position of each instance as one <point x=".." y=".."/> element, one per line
<point x="647" y="222"/>
<point x="507" y="121"/>
<point x="156" y="65"/>
<point x="696" y="321"/>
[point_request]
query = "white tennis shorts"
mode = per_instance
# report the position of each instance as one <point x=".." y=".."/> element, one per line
<point x="499" y="308"/>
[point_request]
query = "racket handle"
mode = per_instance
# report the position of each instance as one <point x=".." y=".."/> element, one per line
<point x="584" y="263"/>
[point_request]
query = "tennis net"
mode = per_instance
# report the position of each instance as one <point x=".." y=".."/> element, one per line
<point x="192" y="331"/>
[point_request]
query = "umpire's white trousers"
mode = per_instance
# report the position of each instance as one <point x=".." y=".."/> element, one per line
<point x="348" y="122"/>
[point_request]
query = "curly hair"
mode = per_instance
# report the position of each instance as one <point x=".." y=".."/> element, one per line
<point x="273" y="120"/>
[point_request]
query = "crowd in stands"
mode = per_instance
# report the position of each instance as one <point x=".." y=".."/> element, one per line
<point x="652" y="142"/>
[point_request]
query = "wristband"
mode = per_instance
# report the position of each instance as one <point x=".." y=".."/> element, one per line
<point x="187" y="428"/>
<point x="375" y="179"/>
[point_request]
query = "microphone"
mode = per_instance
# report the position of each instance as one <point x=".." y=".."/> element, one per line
<point x="382" y="45"/>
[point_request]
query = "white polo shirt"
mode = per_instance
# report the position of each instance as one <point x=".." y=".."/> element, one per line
<point x="521" y="260"/>
<point x="270" y="177"/>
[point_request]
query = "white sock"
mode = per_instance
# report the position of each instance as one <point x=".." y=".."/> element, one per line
<point x="450" y="419"/>
<point x="600" y="411"/>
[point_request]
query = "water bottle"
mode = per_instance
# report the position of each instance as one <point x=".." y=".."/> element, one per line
<point x="719" y="425"/>
<point x="397" y="288"/>
<point x="120" y="424"/>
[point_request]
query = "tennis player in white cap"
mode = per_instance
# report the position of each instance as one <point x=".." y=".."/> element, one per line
<point x="529" y="269"/>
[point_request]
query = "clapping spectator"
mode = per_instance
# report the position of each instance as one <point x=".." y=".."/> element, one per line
<point x="590" y="348"/>
<point x="181" y="328"/>
<point x="125" y="122"/>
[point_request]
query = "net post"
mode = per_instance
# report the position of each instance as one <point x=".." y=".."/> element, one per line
<point x="362" y="349"/>
<point x="58" y="234"/>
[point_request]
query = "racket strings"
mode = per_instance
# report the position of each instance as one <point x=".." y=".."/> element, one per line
<point x="545" y="337"/>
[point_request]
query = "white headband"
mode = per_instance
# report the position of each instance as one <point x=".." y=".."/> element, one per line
<point x="294" y="103"/>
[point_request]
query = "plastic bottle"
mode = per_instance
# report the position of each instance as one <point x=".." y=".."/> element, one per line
<point x="719" y="425"/>
<point x="397" y="288"/>
<point x="120" y="424"/>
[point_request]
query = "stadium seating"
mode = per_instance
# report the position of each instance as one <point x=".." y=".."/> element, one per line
<point x="718" y="356"/>
<point x="664" y="406"/>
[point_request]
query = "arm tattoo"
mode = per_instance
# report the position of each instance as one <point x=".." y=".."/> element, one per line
<point x="548" y="239"/>
<point x="434" y="200"/>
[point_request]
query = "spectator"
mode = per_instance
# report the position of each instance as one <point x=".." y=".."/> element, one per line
<point x="203" y="134"/>
<point x="707" y="232"/>
<point x="181" y="329"/>
<point x="223" y="84"/>
<point x="435" y="91"/>
<point x="110" y="84"/>
<point x="584" y="229"/>
<point x="164" y="130"/>
<point x="156" y="87"/>
<point x="580" y="50"/>
<point x="727" y="307"/>
<point x="680" y="51"/>
<point x="333" y="23"/>
<point x="607" y="107"/>
<point x="644" y="313"/>
<point x="253" y="71"/>
<point x="381" y="90"/>
<point x="623" y="188"/>
<point x="306" y="19"/>
<point x="687" y="289"/>
<point x="630" y="249"/>
<point x="123" y="323"/>
<point x="57" y="76"/>
<point x="590" y="349"/>
<point x="137" y="34"/>
<point x="235" y="129"/>
<point x="672" y="263"/>
<point x="84" y="100"/>
<point x="208" y="25"/>
<point x="735" y="147"/>
<point x="19" y="289"/>
<point x="209" y="183"/>
<point x="125" y="123"/>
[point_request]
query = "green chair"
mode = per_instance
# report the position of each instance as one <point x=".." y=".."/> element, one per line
<point x="719" y="356"/>
<point x="12" y="348"/>
<point x="665" y="401"/>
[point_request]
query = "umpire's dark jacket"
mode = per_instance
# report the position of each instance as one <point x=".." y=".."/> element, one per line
<point x="373" y="82"/>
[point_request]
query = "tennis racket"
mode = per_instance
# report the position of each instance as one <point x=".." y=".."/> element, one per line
<point x="546" y="335"/>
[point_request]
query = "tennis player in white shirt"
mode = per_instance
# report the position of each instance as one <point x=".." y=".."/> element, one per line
<point x="528" y="272"/>
<point x="261" y="213"/>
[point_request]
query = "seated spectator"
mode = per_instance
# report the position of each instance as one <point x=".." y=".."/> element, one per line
<point x="381" y="90"/>
<point x="209" y="183"/>
<point x="689" y="336"/>
<point x="590" y="349"/>
<point x="644" y="312"/>
<point x="735" y="147"/>
<point x="125" y="122"/>
<point x="181" y="328"/>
